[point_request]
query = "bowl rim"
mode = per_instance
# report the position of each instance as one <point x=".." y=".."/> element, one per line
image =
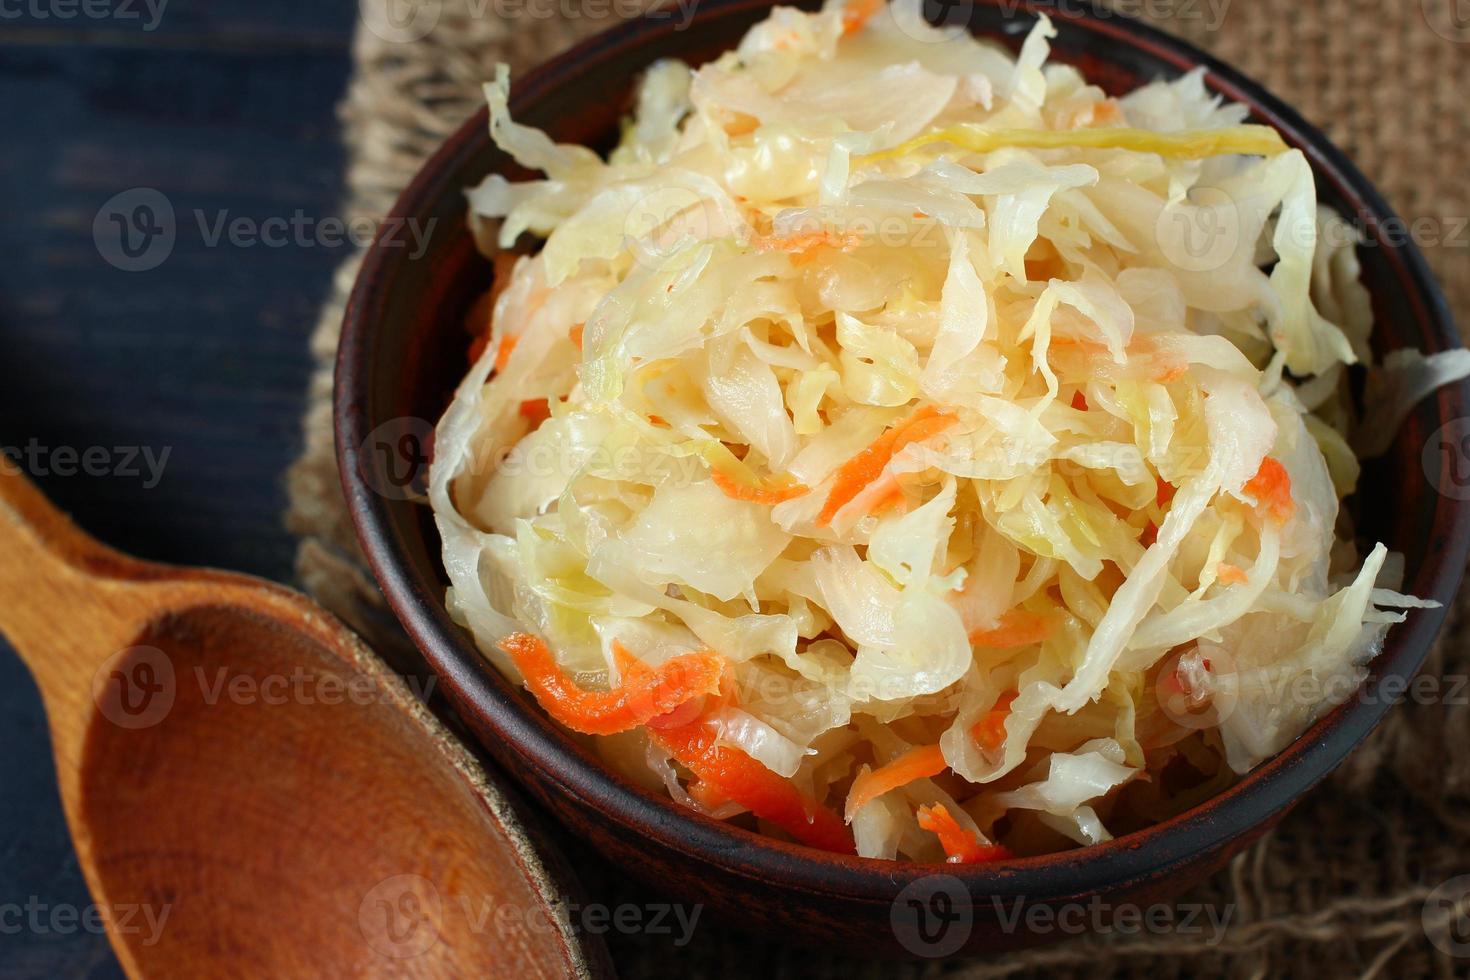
<point x="1251" y="803"/>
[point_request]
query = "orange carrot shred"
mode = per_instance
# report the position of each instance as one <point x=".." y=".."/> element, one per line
<point x="962" y="846"/>
<point x="575" y="334"/>
<point x="640" y="697"/>
<point x="803" y="247"/>
<point x="767" y="493"/>
<point x="1165" y="492"/>
<point x="502" y="356"/>
<point x="1107" y="111"/>
<point x="1015" y="628"/>
<point x="707" y="795"/>
<point x="1079" y="400"/>
<point x="916" y="763"/>
<point x="726" y="773"/>
<point x="990" y="731"/>
<point x="1172" y="371"/>
<point x="536" y="410"/>
<point x="1230" y="574"/>
<point x="1271" y="488"/>
<point x="854" y="475"/>
<point x="856" y="14"/>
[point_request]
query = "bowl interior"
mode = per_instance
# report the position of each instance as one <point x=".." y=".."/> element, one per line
<point x="404" y="350"/>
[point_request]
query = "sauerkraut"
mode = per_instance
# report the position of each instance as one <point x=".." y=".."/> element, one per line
<point x="907" y="449"/>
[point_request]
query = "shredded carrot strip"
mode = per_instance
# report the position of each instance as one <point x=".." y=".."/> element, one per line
<point x="961" y="846"/>
<point x="770" y="492"/>
<point x="1230" y="574"/>
<point x="637" y="700"/>
<point x="502" y="356"/>
<point x="537" y="410"/>
<point x="1079" y="400"/>
<point x="804" y="246"/>
<point x="1165" y="492"/>
<point x="855" y="474"/>
<point x="990" y="731"/>
<point x="1107" y="111"/>
<point x="1015" y="628"/>
<point x="916" y="763"/>
<point x="727" y="773"/>
<point x="707" y="795"/>
<point x="1271" y="486"/>
<point x="739" y="123"/>
<point x="575" y="334"/>
<point x="857" y="13"/>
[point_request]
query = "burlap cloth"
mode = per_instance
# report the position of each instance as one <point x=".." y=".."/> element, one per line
<point x="1340" y="888"/>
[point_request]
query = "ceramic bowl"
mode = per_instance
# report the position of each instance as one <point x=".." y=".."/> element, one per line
<point x="403" y="351"/>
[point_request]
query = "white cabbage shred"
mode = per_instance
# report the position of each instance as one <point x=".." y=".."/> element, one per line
<point x="1093" y="392"/>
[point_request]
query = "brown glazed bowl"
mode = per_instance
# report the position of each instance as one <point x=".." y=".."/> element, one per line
<point x="403" y="351"/>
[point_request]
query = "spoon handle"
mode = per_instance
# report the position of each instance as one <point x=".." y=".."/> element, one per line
<point x="66" y="602"/>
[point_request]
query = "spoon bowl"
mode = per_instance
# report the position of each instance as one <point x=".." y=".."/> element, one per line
<point x="251" y="792"/>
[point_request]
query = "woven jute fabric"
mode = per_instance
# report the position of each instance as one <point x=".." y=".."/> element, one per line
<point x="1353" y="882"/>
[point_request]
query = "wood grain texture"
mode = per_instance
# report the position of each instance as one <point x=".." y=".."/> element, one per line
<point x="249" y="792"/>
<point x="226" y="105"/>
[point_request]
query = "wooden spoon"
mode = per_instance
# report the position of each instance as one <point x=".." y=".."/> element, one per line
<point x="250" y="791"/>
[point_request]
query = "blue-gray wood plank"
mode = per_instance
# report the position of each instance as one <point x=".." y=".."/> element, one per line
<point x="223" y="108"/>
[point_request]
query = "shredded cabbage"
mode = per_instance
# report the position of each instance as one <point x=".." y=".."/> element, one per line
<point x="988" y="430"/>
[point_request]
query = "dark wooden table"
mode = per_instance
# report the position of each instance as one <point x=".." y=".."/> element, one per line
<point x="226" y="110"/>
